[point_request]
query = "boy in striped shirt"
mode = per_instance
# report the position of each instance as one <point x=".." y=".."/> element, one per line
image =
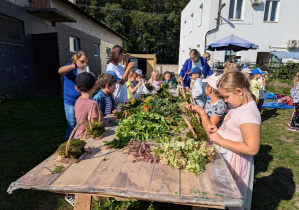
<point x="104" y="97"/>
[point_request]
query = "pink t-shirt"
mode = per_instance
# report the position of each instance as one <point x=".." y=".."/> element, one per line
<point x="82" y="107"/>
<point x="240" y="166"/>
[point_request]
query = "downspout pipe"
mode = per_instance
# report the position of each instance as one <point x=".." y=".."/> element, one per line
<point x="220" y="7"/>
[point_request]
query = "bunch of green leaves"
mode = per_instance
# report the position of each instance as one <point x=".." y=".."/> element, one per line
<point x="198" y="129"/>
<point x="144" y="126"/>
<point x="185" y="153"/>
<point x="76" y="148"/>
<point x="118" y="143"/>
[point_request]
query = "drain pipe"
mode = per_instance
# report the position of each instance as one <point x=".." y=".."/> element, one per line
<point x="217" y="24"/>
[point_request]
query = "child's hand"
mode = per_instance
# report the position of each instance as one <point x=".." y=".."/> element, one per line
<point x="197" y="108"/>
<point x="212" y="128"/>
<point x="189" y="106"/>
<point x="131" y="64"/>
<point x="114" y="111"/>
<point x="215" y="137"/>
<point x="126" y="56"/>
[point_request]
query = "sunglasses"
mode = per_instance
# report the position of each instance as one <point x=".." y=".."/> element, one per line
<point x="82" y="61"/>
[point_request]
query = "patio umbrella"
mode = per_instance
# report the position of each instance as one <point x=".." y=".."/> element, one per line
<point x="231" y="42"/>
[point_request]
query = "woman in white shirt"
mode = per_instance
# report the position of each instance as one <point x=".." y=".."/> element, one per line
<point x="116" y="56"/>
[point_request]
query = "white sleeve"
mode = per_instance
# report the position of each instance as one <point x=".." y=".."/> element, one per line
<point x="198" y="88"/>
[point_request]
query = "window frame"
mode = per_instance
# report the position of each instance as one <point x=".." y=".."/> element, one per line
<point x="268" y="20"/>
<point x="200" y="15"/>
<point x="108" y="54"/>
<point x="78" y="44"/>
<point x="235" y="10"/>
<point x="19" y="26"/>
<point x="97" y="54"/>
<point x="191" y="23"/>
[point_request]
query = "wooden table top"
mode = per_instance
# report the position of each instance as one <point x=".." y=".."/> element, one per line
<point x="112" y="173"/>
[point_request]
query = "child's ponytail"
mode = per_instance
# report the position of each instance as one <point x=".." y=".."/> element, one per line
<point x="114" y="53"/>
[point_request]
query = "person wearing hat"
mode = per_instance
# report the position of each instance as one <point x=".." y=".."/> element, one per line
<point x="215" y="109"/>
<point x="86" y="84"/>
<point x="198" y="90"/>
<point x="255" y="86"/>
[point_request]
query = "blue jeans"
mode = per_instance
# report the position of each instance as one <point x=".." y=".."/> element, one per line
<point x="70" y="118"/>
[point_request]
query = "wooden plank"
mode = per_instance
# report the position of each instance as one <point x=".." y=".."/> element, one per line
<point x="165" y="180"/>
<point x="107" y="171"/>
<point x="134" y="176"/>
<point x="82" y="202"/>
<point x="77" y="174"/>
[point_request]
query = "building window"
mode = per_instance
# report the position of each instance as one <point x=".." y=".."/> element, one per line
<point x="191" y="22"/>
<point x="74" y="44"/>
<point x="235" y="9"/>
<point x="271" y="11"/>
<point x="200" y="15"/>
<point x="108" y="52"/>
<point x="96" y="50"/>
<point x="11" y="31"/>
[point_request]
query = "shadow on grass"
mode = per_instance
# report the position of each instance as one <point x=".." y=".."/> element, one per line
<point x="269" y="191"/>
<point x="262" y="159"/>
<point x="266" y="114"/>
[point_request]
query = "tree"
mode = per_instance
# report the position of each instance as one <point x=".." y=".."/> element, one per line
<point x="150" y="26"/>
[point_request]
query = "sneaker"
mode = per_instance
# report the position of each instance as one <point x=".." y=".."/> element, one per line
<point x="293" y="128"/>
<point x="70" y="198"/>
<point x="289" y="123"/>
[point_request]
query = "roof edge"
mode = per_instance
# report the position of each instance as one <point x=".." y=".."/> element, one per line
<point x="93" y="18"/>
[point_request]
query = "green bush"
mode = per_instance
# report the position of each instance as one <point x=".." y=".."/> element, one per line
<point x="287" y="71"/>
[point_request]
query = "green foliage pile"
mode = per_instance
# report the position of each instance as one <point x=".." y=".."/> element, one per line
<point x="198" y="129"/>
<point x="150" y="26"/>
<point x="98" y="129"/>
<point x="76" y="149"/>
<point x="185" y="153"/>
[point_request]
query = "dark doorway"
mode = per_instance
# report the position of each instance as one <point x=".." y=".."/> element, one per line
<point x="46" y="62"/>
<point x="142" y="65"/>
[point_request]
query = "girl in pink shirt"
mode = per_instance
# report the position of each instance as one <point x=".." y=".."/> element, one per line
<point x="238" y="137"/>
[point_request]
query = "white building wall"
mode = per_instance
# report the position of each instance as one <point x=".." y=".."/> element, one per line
<point x="269" y="36"/>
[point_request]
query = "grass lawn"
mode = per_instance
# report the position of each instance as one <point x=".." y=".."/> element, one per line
<point x="32" y="128"/>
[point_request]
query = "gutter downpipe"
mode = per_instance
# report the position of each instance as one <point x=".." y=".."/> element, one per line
<point x="217" y="25"/>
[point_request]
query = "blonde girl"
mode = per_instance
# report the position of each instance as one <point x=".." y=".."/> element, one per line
<point x="121" y="71"/>
<point x="239" y="134"/>
<point x="70" y="72"/>
<point x="133" y="76"/>
<point x="154" y="80"/>
<point x="294" y="126"/>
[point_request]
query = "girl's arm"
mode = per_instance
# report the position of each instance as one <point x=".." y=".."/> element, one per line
<point x="127" y="70"/>
<point x="170" y="83"/>
<point x="63" y="70"/>
<point x="134" y="89"/>
<point x="126" y="60"/>
<point x="251" y="139"/>
<point x="214" y="120"/>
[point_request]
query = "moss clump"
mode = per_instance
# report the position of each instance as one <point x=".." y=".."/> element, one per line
<point x="75" y="151"/>
<point x="98" y="129"/>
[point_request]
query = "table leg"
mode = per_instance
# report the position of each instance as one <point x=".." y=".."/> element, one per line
<point x="82" y="202"/>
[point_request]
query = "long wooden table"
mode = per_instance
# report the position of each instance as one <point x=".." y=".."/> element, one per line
<point x="112" y="173"/>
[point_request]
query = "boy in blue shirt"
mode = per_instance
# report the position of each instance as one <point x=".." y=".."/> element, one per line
<point x="104" y="97"/>
<point x="198" y="90"/>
